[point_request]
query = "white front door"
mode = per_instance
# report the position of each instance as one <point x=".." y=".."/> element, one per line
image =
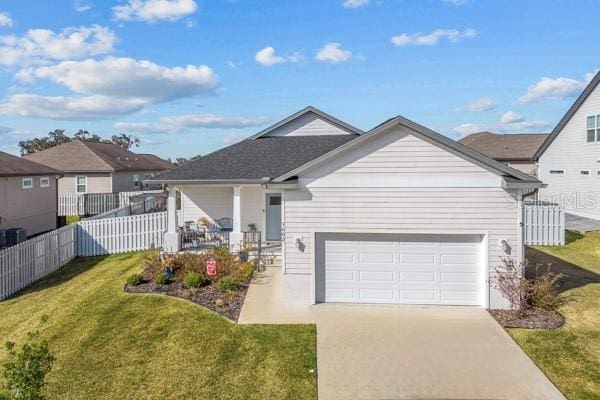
<point x="273" y="211"/>
<point x="400" y="269"/>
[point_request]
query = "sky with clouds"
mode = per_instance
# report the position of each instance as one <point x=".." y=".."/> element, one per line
<point x="191" y="76"/>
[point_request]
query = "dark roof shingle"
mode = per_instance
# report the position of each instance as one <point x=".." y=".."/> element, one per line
<point x="16" y="166"/>
<point x="86" y="156"/>
<point x="255" y="159"/>
<point x="506" y="147"/>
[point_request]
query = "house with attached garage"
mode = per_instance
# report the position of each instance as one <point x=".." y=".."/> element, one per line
<point x="569" y="159"/>
<point x="399" y="214"/>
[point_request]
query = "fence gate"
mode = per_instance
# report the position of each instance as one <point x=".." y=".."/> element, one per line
<point x="544" y="224"/>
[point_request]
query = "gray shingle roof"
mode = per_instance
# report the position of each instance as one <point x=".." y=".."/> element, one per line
<point x="15" y="166"/>
<point x="255" y="159"/>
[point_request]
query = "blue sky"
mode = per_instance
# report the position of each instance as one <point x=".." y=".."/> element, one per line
<point x="190" y="76"/>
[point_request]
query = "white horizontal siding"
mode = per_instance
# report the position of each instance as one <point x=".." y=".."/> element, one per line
<point x="570" y="152"/>
<point x="309" y="124"/>
<point x="322" y="204"/>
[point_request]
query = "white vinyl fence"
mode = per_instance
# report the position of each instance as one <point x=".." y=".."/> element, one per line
<point x="120" y="235"/>
<point x="544" y="224"/>
<point x="33" y="259"/>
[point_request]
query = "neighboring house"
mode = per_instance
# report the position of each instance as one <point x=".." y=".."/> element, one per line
<point x="27" y="195"/>
<point x="400" y="214"/>
<point x="515" y="150"/>
<point x="93" y="167"/>
<point x="569" y="159"/>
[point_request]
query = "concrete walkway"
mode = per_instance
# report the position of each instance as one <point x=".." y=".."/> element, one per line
<point x="397" y="352"/>
<point x="581" y="224"/>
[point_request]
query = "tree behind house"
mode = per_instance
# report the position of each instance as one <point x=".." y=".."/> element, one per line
<point x="58" y="137"/>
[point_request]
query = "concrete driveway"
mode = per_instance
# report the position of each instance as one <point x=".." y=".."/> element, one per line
<point x="397" y="352"/>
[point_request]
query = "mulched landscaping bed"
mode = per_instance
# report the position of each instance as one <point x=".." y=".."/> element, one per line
<point x="207" y="296"/>
<point x="530" y="319"/>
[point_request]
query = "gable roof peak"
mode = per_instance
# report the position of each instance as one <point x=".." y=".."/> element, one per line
<point x="308" y="109"/>
<point x="589" y="89"/>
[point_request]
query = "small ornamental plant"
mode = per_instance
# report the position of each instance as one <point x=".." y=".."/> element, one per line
<point x="134" y="280"/>
<point x="193" y="280"/>
<point x="25" y="368"/>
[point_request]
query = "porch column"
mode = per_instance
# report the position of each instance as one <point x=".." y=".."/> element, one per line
<point x="172" y="241"/>
<point x="236" y="236"/>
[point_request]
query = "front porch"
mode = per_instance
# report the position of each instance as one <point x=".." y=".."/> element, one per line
<point x="241" y="217"/>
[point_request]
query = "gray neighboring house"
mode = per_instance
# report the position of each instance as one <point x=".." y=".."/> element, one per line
<point x="93" y="167"/>
<point x="28" y="195"/>
<point x="397" y="215"/>
<point x="517" y="150"/>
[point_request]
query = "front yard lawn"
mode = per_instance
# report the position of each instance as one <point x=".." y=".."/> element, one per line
<point x="570" y="355"/>
<point x="112" y="345"/>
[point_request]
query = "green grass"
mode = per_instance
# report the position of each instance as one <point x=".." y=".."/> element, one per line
<point x="570" y="355"/>
<point x="71" y="219"/>
<point x="112" y="345"/>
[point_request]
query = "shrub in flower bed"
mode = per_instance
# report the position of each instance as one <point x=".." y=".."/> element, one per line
<point x="185" y="275"/>
<point x="533" y="295"/>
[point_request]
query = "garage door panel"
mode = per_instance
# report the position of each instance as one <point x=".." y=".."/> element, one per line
<point x="376" y="258"/>
<point x="407" y="271"/>
<point x="460" y="277"/>
<point x="371" y="294"/>
<point x="417" y="296"/>
<point x="458" y="259"/>
<point x="412" y="258"/>
<point x="411" y="276"/>
<point x="341" y="275"/>
<point x="376" y="276"/>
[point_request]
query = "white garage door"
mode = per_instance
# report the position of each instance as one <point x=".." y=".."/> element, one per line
<point x="401" y="269"/>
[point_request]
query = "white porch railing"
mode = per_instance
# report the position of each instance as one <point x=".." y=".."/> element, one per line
<point x="95" y="203"/>
<point x="544" y="224"/>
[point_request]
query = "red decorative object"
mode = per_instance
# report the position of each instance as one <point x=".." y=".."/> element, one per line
<point x="211" y="267"/>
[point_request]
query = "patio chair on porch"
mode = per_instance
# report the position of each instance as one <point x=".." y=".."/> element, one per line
<point x="224" y="224"/>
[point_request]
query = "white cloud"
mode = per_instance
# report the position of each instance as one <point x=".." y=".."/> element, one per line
<point x="510" y="122"/>
<point x="43" y="45"/>
<point x="555" y="89"/>
<point x="433" y="38"/>
<point x="333" y="52"/>
<point x="68" y="107"/>
<point x="182" y="123"/>
<point x="511" y="117"/>
<point x="5" y="20"/>
<point x="267" y="57"/>
<point x="479" y="105"/>
<point x="82" y="5"/>
<point x="355" y="3"/>
<point x="142" y="80"/>
<point x="457" y="2"/>
<point x="154" y="10"/>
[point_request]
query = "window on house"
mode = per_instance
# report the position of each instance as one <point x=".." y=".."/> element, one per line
<point x="81" y="182"/>
<point x="593" y="128"/>
<point x="44" y="182"/>
<point x="557" y="172"/>
<point x="584" y="172"/>
<point x="27" y="183"/>
<point x="136" y="181"/>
